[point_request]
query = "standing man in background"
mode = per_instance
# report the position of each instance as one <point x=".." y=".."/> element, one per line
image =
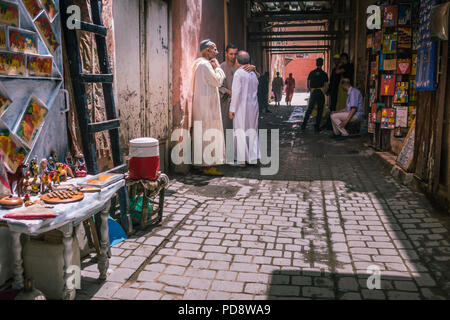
<point x="333" y="91"/>
<point x="290" y="88"/>
<point x="277" y="88"/>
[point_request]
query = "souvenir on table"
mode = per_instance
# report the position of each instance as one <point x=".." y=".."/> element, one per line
<point x="404" y="37"/>
<point x="12" y="150"/>
<point x="39" y="66"/>
<point x="5" y="100"/>
<point x="414" y="65"/>
<point x="33" y="7"/>
<point x="3" y="37"/>
<point x="412" y="91"/>
<point x="390" y="16"/>
<point x="388" y="118"/>
<point x="377" y="41"/>
<point x="45" y="28"/>
<point x="403" y="66"/>
<point x="390" y="43"/>
<point x="59" y="197"/>
<point x="50" y="8"/>
<point x="401" y="92"/>
<point x="12" y="64"/>
<point x="401" y="117"/>
<point x="9" y="14"/>
<point x="10" y="202"/>
<point x="32" y="120"/>
<point x="102" y="180"/>
<point x="387" y="85"/>
<point x="411" y="115"/>
<point x="369" y="43"/>
<point x="404" y="14"/>
<point x="38" y="212"/>
<point x="80" y="166"/>
<point x="390" y="65"/>
<point x="33" y="167"/>
<point x="22" y="40"/>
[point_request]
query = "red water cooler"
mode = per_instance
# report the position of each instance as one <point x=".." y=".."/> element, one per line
<point x="144" y="159"/>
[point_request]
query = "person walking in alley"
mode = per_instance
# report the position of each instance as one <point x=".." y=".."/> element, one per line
<point x="206" y="112"/>
<point x="317" y="86"/>
<point x="352" y="113"/>
<point x="229" y="67"/>
<point x="277" y="88"/>
<point x="290" y="88"/>
<point x="263" y="93"/>
<point x="244" y="111"/>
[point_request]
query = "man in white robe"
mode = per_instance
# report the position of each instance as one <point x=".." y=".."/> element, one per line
<point x="208" y="138"/>
<point x="244" y="111"/>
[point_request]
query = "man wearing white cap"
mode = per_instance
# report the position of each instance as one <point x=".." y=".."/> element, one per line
<point x="206" y="110"/>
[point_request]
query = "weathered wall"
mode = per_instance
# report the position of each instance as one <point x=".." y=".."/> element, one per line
<point x="236" y="31"/>
<point x="213" y="24"/>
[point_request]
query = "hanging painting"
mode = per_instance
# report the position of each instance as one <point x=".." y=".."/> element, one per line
<point x="412" y="91"/>
<point x="390" y="65"/>
<point x="388" y="85"/>
<point x="50" y="8"/>
<point x="390" y="43"/>
<point x="415" y="39"/>
<point x="45" y="29"/>
<point x="12" y="64"/>
<point x="9" y="14"/>
<point x="388" y="118"/>
<point x="369" y="42"/>
<point x="22" y="41"/>
<point x="404" y="14"/>
<point x="3" y="36"/>
<point x="5" y="100"/>
<point x="401" y="117"/>
<point x="377" y="41"/>
<point x="401" y="92"/>
<point x="380" y="107"/>
<point x="33" y="7"/>
<point x="373" y="113"/>
<point x="411" y="115"/>
<point x="404" y="38"/>
<point x="414" y="65"/>
<point x="390" y="16"/>
<point x="374" y="69"/>
<point x="31" y="121"/>
<point x="39" y="66"/>
<point x="11" y="149"/>
<point x="403" y="66"/>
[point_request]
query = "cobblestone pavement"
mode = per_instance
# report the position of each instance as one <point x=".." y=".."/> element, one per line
<point x="310" y="232"/>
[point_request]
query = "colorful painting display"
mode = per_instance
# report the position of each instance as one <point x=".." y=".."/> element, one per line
<point x="404" y="14"/>
<point x="32" y="120"/>
<point x="414" y="65"/>
<point x="412" y="91"/>
<point x="3" y="36"/>
<point x="404" y="38"/>
<point x="415" y="39"/>
<point x="401" y="117"/>
<point x="12" y="64"/>
<point x="33" y="7"/>
<point x="390" y="65"/>
<point x="50" y="8"/>
<point x="388" y="118"/>
<point x="403" y="66"/>
<point x="377" y="41"/>
<point x="5" y="100"/>
<point x="388" y="85"/>
<point x="374" y="69"/>
<point x="22" y="41"/>
<point x="411" y="115"/>
<point x="369" y="42"/>
<point x="40" y="66"/>
<point x="401" y="92"/>
<point x="45" y="29"/>
<point x="9" y="14"/>
<point x="390" y="43"/>
<point x="11" y="149"/>
<point x="390" y="16"/>
<point x="380" y="107"/>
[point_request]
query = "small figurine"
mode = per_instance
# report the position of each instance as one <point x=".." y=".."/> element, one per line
<point x="43" y="167"/>
<point x="51" y="166"/>
<point x="69" y="161"/>
<point x="63" y="175"/>
<point x="55" y="178"/>
<point x="80" y="166"/>
<point x="54" y="156"/>
<point x="33" y="167"/>
<point x="35" y="186"/>
<point x="17" y="177"/>
<point x="46" y="185"/>
<point x="27" y="200"/>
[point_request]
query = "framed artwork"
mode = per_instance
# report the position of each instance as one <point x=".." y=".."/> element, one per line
<point x="39" y="66"/>
<point x="22" y="40"/>
<point x="3" y="37"/>
<point x="414" y="64"/>
<point x="5" y="100"/>
<point x="373" y="113"/>
<point x="390" y="43"/>
<point x="377" y="41"/>
<point x="33" y="7"/>
<point x="379" y="113"/>
<point x="415" y="39"/>
<point x="372" y="96"/>
<point x="401" y="116"/>
<point x="411" y="115"/>
<point x="31" y="121"/>
<point x="9" y="14"/>
<point x="403" y="66"/>
<point x="412" y="91"/>
<point x="44" y="27"/>
<point x="404" y="37"/>
<point x="404" y="14"/>
<point x="390" y="65"/>
<point x="388" y="85"/>
<point x="401" y="92"/>
<point x="50" y="8"/>
<point x="12" y="150"/>
<point x="369" y="43"/>
<point x="13" y="64"/>
<point x="374" y="69"/>
<point x="388" y="118"/>
<point x="390" y="16"/>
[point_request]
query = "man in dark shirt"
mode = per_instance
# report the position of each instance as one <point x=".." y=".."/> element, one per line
<point x="318" y="86"/>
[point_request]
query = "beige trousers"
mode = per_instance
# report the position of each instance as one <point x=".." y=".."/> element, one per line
<point x="337" y="119"/>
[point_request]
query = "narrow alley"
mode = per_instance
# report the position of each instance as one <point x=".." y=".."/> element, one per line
<point x="310" y="232"/>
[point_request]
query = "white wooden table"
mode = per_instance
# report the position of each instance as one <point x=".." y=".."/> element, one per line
<point x="69" y="215"/>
